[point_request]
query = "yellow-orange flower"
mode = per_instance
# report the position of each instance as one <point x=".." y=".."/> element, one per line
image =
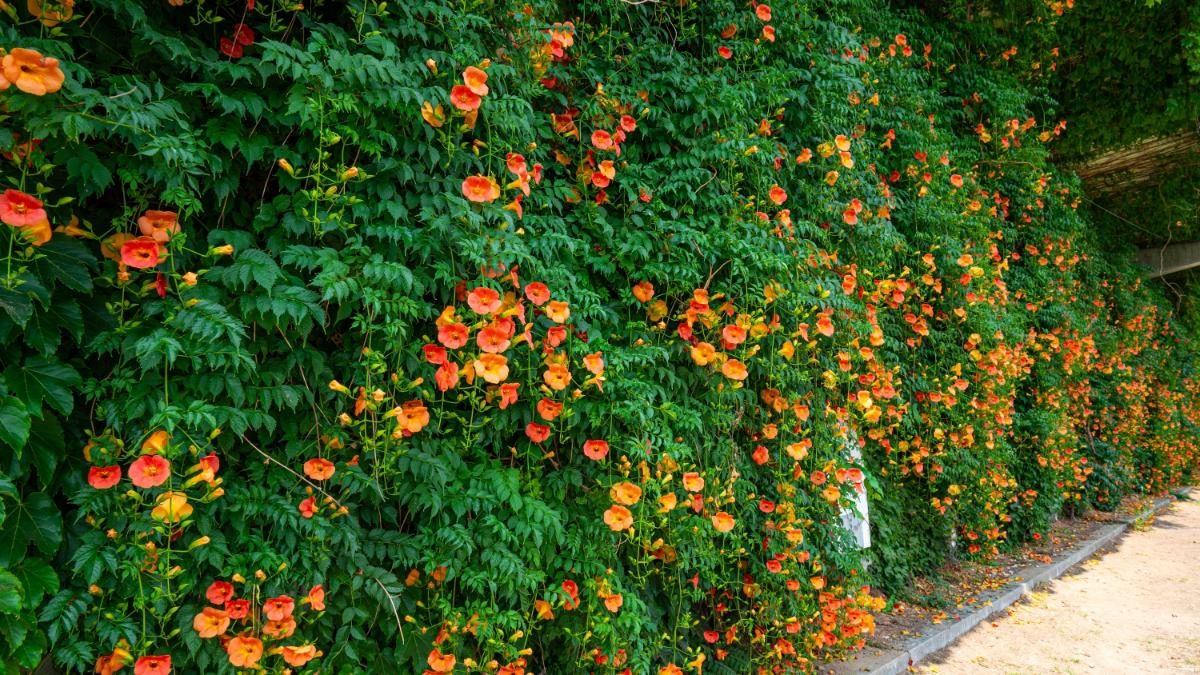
<point x="156" y="443"/>
<point x="613" y="602"/>
<point x="211" y="622"/>
<point x="693" y="482"/>
<point x="31" y="72"/>
<point x="703" y="353"/>
<point x="244" y="651"/>
<point x="625" y="493"/>
<point x="52" y="12"/>
<point x="159" y="225"/>
<point x="281" y="628"/>
<point x="594" y="363"/>
<point x="439" y="662"/>
<point x="414" y="416"/>
<point x="557" y="377"/>
<point x="493" y="368"/>
<point x="434" y="116"/>
<point x="37" y="233"/>
<point x="297" y="655"/>
<point x="734" y="369"/>
<point x="111" y="663"/>
<point x="618" y="518"/>
<point x="481" y="189"/>
<point x="723" y="522"/>
<point x="476" y="80"/>
<point x="798" y="451"/>
<point x="171" y="507"/>
<point x="558" y="311"/>
<point x="318" y="468"/>
<point x="668" y="502"/>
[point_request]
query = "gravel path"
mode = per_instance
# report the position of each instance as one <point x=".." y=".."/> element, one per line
<point x="1135" y="609"/>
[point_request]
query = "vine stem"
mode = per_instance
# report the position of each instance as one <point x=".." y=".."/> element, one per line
<point x="392" y="602"/>
<point x="289" y="469"/>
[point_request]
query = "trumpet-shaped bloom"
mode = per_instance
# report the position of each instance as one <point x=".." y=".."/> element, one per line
<point x="21" y="210"/>
<point x="464" y="99"/>
<point x="159" y="225"/>
<point x="244" y="651"/>
<point x="318" y="468"/>
<point x="618" y="518"/>
<point x="153" y="665"/>
<point x="595" y="450"/>
<point x="141" y="253"/>
<point x="31" y="72"/>
<point x="171" y="507"/>
<point x="211" y="622"/>
<point x="219" y="592"/>
<point x="104" y="477"/>
<point x="476" y="80"/>
<point x="149" y="471"/>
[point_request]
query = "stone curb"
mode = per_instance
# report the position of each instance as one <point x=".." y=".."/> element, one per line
<point x="895" y="662"/>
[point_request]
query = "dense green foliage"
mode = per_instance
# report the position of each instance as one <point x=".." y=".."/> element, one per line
<point x="766" y="236"/>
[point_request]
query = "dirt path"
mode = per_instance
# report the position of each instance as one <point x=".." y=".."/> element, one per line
<point x="1136" y="609"/>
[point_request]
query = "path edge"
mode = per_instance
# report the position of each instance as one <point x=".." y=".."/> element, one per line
<point x="945" y="634"/>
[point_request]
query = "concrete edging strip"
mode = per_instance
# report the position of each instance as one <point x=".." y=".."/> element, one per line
<point x="948" y="633"/>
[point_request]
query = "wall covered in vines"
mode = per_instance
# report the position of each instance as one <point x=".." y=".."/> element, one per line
<point x="538" y="338"/>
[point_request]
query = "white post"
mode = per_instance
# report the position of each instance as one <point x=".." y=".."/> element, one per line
<point x="857" y="520"/>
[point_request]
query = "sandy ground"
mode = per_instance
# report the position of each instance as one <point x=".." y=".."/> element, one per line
<point x="1135" y="609"/>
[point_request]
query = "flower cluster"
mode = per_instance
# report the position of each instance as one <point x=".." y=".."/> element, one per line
<point x="273" y="620"/>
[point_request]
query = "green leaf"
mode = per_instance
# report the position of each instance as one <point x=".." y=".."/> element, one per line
<point x="66" y="261"/>
<point x="31" y="651"/>
<point x="12" y="593"/>
<point x="35" y="520"/>
<point x="46" y="446"/>
<point x="44" y="332"/>
<point x="38" y="578"/>
<point x="14" y="629"/>
<point x="14" y="423"/>
<point x="40" y="379"/>
<point x="16" y="305"/>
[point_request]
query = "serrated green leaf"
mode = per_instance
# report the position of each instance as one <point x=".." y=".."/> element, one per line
<point x="16" y="305"/>
<point x="46" y="446"/>
<point x="41" y="379"/>
<point x="14" y="423"/>
<point x="38" y="578"/>
<point x="34" y="520"/>
<point x="12" y="593"/>
<point x="66" y="261"/>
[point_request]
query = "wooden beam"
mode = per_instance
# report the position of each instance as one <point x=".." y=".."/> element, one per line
<point x="1170" y="259"/>
<point x="1143" y="162"/>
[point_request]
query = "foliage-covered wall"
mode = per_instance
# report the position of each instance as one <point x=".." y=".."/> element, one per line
<point x="506" y="338"/>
